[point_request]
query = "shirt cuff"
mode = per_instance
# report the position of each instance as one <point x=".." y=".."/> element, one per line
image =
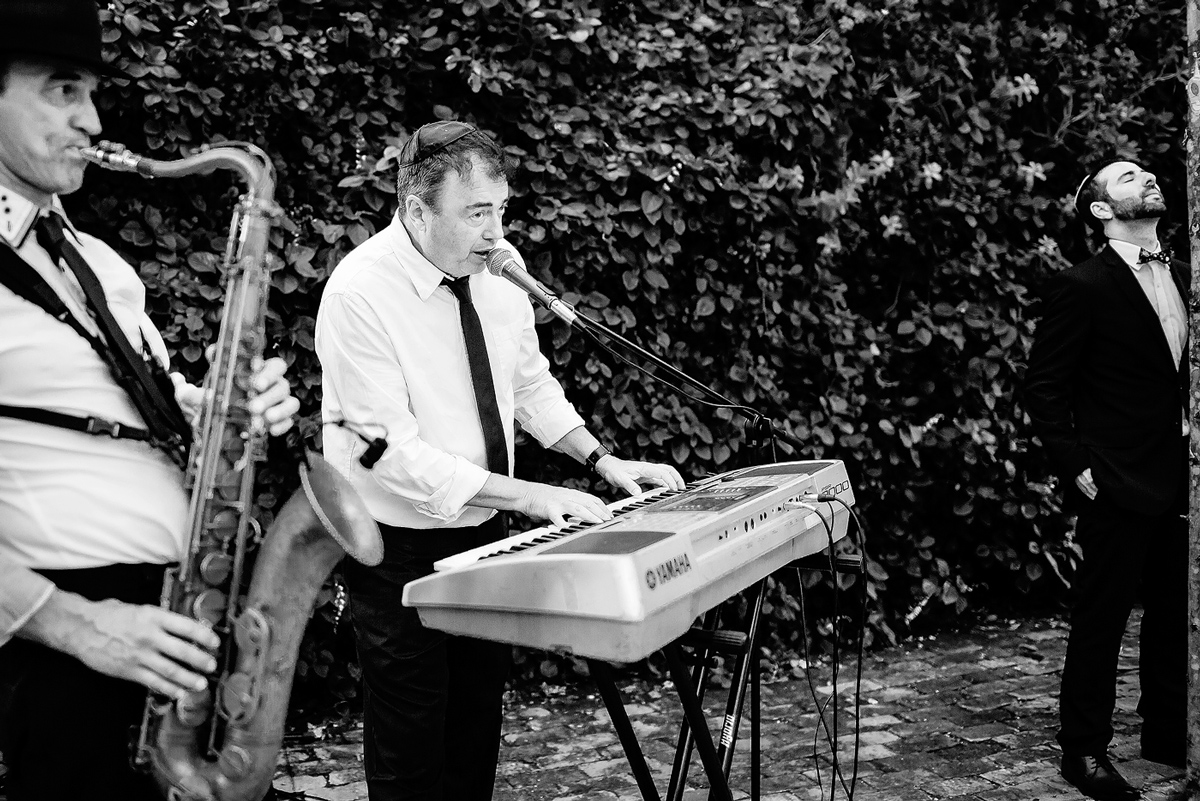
<point x="25" y="592"/>
<point x="551" y="425"/>
<point x="448" y="502"/>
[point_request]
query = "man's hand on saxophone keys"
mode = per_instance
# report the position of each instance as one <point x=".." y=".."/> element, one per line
<point x="166" y="652"/>
<point x="271" y="403"/>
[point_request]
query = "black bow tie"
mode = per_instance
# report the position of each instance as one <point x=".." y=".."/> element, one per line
<point x="1163" y="255"/>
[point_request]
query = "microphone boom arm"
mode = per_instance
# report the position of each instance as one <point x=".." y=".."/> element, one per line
<point x="752" y="416"/>
<point x="501" y="262"/>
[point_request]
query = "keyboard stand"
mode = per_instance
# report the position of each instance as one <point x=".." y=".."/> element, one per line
<point x="602" y="673"/>
<point x="717" y="761"/>
<point x="707" y="641"/>
<point x="693" y="714"/>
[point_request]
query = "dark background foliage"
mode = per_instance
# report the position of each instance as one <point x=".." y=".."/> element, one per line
<point x="838" y="212"/>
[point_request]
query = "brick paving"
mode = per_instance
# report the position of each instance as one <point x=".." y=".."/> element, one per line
<point x="962" y="718"/>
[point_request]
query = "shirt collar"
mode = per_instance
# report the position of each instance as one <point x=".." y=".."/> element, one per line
<point x="1128" y="252"/>
<point x="18" y="214"/>
<point x="425" y="276"/>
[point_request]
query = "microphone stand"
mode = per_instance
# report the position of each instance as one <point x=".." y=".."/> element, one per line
<point x="760" y="426"/>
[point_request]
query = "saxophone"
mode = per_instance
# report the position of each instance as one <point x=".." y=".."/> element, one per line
<point x="256" y="590"/>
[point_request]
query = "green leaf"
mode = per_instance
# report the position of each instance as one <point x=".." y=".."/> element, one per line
<point x="651" y="203"/>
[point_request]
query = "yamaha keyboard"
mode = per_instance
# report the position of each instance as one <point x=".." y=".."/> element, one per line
<point x="622" y="589"/>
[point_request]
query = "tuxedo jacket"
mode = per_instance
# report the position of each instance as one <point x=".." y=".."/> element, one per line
<point x="1102" y="389"/>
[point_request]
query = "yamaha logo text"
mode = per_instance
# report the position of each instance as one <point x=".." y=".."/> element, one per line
<point x="668" y="570"/>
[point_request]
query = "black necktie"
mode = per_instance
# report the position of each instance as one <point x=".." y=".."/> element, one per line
<point x="1163" y="255"/>
<point x="149" y="388"/>
<point x="481" y="377"/>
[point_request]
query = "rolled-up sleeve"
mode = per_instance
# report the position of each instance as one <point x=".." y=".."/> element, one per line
<point x="541" y="407"/>
<point x="22" y="593"/>
<point x="361" y="369"/>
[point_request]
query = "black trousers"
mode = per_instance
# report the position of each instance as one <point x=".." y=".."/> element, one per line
<point x="1127" y="554"/>
<point x="64" y="729"/>
<point x="432" y="701"/>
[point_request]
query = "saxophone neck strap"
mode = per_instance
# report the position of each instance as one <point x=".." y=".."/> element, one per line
<point x="150" y="389"/>
<point x="97" y="426"/>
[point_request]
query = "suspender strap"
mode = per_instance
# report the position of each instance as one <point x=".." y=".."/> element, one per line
<point x="24" y="281"/>
<point x="144" y="380"/>
<point x="88" y="425"/>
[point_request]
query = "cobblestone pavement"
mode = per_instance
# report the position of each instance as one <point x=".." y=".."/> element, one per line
<point x="968" y="717"/>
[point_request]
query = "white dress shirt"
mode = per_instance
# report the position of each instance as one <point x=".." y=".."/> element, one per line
<point x="392" y="353"/>
<point x="1154" y="277"/>
<point x="70" y="499"/>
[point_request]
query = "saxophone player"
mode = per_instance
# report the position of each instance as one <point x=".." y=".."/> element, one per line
<point x="413" y="333"/>
<point x="92" y="435"/>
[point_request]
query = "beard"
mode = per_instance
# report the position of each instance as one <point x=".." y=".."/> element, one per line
<point x="1138" y="208"/>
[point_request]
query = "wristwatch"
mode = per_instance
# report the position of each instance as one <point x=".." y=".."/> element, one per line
<point x="596" y="455"/>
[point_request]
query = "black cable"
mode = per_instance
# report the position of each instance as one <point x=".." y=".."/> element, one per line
<point x="812" y="690"/>
<point x="819" y="706"/>
<point x="831" y="735"/>
<point x="835" y="670"/>
<point x="861" y="543"/>
<point x="687" y="395"/>
<point x="375" y="445"/>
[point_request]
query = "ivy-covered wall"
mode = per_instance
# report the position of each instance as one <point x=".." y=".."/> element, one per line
<point x="838" y="212"/>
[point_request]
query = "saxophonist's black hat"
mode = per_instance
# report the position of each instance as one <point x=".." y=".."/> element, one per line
<point x="61" y="29"/>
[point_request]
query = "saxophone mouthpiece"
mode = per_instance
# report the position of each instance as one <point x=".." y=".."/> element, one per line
<point x="113" y="156"/>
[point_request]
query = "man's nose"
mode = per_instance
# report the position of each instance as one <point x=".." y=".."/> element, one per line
<point x="86" y="119"/>
<point x="1149" y="179"/>
<point x="494" y="230"/>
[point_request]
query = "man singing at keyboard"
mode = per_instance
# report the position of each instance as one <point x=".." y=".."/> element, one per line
<point x="414" y="334"/>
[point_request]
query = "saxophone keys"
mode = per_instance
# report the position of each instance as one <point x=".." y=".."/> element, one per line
<point x="239" y="700"/>
<point x="240" y="689"/>
<point x="194" y="709"/>
<point x="235" y="762"/>
<point x="215" y="568"/>
<point x="224" y="524"/>
<point x="228" y="486"/>
<point x="209" y="606"/>
<point x="233" y="448"/>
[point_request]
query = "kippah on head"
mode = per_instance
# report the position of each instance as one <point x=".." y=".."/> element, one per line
<point x="1088" y="193"/>
<point x="1087" y="179"/>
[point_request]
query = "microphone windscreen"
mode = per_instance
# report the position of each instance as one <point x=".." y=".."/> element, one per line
<point x="496" y="260"/>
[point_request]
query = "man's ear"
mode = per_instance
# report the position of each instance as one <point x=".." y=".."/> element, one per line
<point x="417" y="212"/>
<point x="1101" y="210"/>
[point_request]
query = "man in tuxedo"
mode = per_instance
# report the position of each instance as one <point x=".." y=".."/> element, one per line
<point x="1106" y="389"/>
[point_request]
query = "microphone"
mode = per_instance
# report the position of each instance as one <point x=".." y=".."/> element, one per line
<point x="373" y="453"/>
<point x="375" y="445"/>
<point x="502" y="263"/>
